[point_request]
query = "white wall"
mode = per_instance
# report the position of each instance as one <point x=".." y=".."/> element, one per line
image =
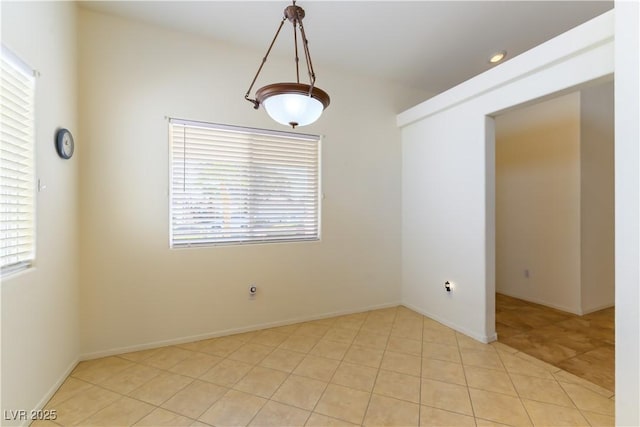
<point x="597" y="267"/>
<point x="548" y="78"/>
<point x="135" y="290"/>
<point x="40" y="306"/>
<point x="448" y="196"/>
<point x="627" y="212"/>
<point x="554" y="201"/>
<point x="442" y="230"/>
<point x="538" y="218"/>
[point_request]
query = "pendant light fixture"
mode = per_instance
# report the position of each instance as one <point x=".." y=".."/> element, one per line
<point x="293" y="104"/>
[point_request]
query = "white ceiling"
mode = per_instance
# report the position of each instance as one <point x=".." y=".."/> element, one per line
<point x="432" y="45"/>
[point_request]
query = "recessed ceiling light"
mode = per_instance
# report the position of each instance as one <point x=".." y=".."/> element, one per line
<point x="497" y="57"/>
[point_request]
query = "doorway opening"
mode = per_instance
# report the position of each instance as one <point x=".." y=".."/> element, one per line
<point x="554" y="222"/>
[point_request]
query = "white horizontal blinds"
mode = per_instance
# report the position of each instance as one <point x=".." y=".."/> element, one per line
<point x="16" y="164"/>
<point x="240" y="185"/>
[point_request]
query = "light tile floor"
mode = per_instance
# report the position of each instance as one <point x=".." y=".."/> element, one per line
<point x="389" y="367"/>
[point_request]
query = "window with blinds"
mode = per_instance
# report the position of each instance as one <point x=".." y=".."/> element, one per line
<point x="234" y="185"/>
<point x="17" y="234"/>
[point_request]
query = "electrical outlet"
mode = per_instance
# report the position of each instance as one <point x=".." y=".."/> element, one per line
<point x="253" y="289"/>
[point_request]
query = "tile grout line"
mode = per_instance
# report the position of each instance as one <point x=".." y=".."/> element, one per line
<point x="166" y="400"/>
<point x="512" y="303"/>
<point x="193" y="380"/>
<point x="134" y="398"/>
<point x="466" y="382"/>
<point x="576" y="405"/>
<point x="289" y="376"/>
<point x="228" y="388"/>
<point x="397" y="316"/>
<point x="323" y="392"/>
<point x="125" y="395"/>
<point x="375" y="381"/>
<point x="540" y="401"/>
<point x="514" y="387"/>
<point x="169" y="372"/>
<point x="267" y="400"/>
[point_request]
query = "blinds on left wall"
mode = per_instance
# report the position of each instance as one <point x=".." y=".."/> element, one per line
<point x="17" y="168"/>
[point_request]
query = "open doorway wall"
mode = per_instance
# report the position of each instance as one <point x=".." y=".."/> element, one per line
<point x="597" y="205"/>
<point x="538" y="203"/>
<point x="555" y="201"/>
<point x="555" y="231"/>
<point x="447" y="192"/>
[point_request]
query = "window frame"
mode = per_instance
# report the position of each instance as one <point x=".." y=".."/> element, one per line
<point x="28" y="259"/>
<point x="249" y="132"/>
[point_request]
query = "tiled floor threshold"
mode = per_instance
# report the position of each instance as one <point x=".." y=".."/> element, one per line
<point x="583" y="345"/>
<point x="390" y="367"/>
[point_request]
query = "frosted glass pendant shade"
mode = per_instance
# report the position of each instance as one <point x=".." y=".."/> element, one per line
<point x="293" y="109"/>
<point x="290" y="103"/>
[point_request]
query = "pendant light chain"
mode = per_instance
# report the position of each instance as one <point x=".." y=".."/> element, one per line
<point x="295" y="40"/>
<point x="295" y="44"/>
<point x="256" y="104"/>
<point x="305" y="45"/>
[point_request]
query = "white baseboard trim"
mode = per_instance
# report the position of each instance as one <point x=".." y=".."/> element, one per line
<point x="597" y="308"/>
<point x="215" y="334"/>
<point x="482" y="338"/>
<point x="52" y="390"/>
<point x="574" y="310"/>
